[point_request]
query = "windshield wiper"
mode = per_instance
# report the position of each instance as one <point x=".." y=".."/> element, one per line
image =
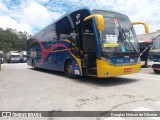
<point x="129" y="42"/>
<point x="123" y="36"/>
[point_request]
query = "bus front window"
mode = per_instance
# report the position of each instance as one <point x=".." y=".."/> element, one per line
<point x="118" y="37"/>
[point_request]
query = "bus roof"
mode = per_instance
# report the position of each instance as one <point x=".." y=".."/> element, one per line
<point x="72" y="11"/>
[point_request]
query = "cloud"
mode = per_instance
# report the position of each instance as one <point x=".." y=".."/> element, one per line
<point x="37" y="15"/>
<point x="8" y="22"/>
<point x="30" y="17"/>
<point x="33" y="15"/>
<point x="3" y="9"/>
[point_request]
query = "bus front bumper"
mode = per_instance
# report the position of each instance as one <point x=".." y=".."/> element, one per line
<point x="104" y="70"/>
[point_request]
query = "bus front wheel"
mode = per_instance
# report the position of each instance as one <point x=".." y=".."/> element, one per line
<point x="69" y="69"/>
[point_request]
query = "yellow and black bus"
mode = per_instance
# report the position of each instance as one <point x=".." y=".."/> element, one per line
<point x="87" y="42"/>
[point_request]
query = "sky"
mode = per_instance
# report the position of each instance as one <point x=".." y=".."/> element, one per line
<point x="32" y="15"/>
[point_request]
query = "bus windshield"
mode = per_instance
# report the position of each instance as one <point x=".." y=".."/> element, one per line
<point x="118" y="37"/>
<point x="156" y="44"/>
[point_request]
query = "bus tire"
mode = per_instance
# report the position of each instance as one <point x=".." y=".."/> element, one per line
<point x="156" y="71"/>
<point x="68" y="70"/>
<point x="33" y="65"/>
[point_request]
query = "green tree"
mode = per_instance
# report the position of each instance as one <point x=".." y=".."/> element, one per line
<point x="11" y="39"/>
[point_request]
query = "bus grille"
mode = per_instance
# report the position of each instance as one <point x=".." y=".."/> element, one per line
<point x="125" y="64"/>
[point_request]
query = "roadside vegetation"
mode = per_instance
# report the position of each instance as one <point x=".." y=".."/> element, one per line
<point x="11" y="39"/>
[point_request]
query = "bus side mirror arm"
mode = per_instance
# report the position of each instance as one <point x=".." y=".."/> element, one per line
<point x="146" y="27"/>
<point x="99" y="21"/>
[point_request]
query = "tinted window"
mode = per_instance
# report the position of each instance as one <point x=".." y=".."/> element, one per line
<point x="52" y="33"/>
<point x="63" y="28"/>
<point x="45" y="35"/>
<point x="75" y="43"/>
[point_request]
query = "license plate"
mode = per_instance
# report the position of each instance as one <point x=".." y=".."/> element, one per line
<point x="127" y="70"/>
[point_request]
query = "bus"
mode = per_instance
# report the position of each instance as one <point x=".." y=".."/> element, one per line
<point x="144" y="51"/>
<point x="87" y="42"/>
<point x="154" y="55"/>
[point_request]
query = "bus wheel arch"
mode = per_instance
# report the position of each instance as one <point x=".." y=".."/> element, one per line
<point x="68" y="68"/>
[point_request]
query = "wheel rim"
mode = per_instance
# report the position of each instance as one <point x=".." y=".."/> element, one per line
<point x="69" y="69"/>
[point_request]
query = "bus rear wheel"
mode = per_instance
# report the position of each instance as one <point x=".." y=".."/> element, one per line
<point x="69" y="69"/>
<point x="156" y="71"/>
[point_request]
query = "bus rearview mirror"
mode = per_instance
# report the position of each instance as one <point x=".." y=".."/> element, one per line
<point x="99" y="21"/>
<point x="146" y="27"/>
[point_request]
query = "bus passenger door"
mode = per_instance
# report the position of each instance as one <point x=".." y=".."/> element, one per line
<point x="75" y="46"/>
<point x="88" y="45"/>
<point x="84" y="47"/>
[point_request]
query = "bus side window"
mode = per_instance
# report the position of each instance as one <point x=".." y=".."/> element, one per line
<point x="75" y="43"/>
<point x="52" y="33"/>
<point x="63" y="29"/>
<point x="58" y="36"/>
<point x="45" y="35"/>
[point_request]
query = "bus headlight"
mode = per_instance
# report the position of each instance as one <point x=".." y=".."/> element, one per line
<point x="108" y="61"/>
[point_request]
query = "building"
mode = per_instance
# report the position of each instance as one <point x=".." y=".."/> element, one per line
<point x="150" y="36"/>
